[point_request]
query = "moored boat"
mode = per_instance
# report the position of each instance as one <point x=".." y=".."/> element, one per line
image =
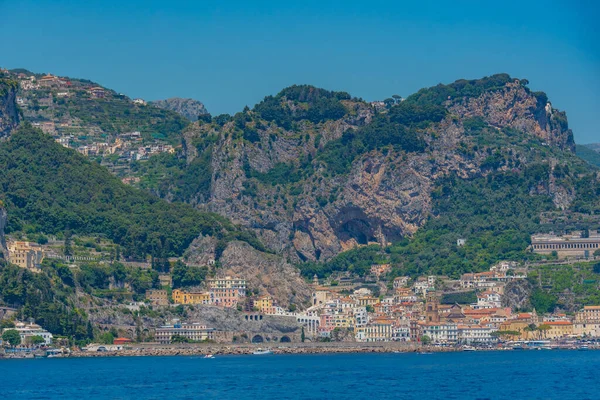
<point x="261" y="352"/>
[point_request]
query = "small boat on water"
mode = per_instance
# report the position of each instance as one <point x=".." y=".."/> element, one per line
<point x="583" y="348"/>
<point x="262" y="352"/>
<point x="468" y="348"/>
<point x="209" y="356"/>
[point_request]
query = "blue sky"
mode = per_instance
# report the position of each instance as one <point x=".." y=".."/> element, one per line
<point x="232" y="54"/>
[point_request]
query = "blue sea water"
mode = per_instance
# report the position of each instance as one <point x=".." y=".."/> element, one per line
<point x="473" y="375"/>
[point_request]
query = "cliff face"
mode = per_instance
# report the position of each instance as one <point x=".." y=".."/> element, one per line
<point x="267" y="273"/>
<point x="387" y="193"/>
<point x="518" y="108"/>
<point x="9" y="115"/>
<point x="189" y="108"/>
<point x="3" y="220"/>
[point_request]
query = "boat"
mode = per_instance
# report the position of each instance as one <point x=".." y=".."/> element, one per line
<point x="261" y="352"/>
<point x="583" y="348"/>
<point x="209" y="356"/>
<point x="468" y="348"/>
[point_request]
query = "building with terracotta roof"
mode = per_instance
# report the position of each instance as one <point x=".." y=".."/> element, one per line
<point x="557" y="329"/>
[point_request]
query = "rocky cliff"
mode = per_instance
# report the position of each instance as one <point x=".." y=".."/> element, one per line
<point x="3" y="220"/>
<point x="189" y="108"/>
<point x="9" y="115"/>
<point x="264" y="273"/>
<point x="275" y="176"/>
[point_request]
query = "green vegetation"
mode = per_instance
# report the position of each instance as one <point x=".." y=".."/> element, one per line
<point x="496" y="215"/>
<point x="55" y="189"/>
<point x="587" y="153"/>
<point x="187" y="276"/>
<point x="461" y="88"/>
<point x="460" y="298"/>
<point x="46" y="298"/>
<point x="117" y="115"/>
<point x="358" y="260"/>
<point x="302" y="102"/>
<point x="95" y="279"/>
<point x="399" y="129"/>
<point x="7" y="84"/>
<point x="12" y="337"/>
<point x="562" y="286"/>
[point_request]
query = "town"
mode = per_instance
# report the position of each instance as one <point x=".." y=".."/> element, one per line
<point x="469" y="312"/>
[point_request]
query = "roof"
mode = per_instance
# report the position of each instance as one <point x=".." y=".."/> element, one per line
<point x="591" y="308"/>
<point x="558" y="323"/>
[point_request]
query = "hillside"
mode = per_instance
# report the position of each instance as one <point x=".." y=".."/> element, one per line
<point x="48" y="188"/>
<point x="100" y="123"/>
<point x="315" y="173"/>
<point x="589" y="154"/>
<point x="189" y="108"/>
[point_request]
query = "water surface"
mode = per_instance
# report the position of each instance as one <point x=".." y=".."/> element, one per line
<point x="473" y="375"/>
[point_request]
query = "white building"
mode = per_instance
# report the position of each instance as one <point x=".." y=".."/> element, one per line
<point x="29" y="330"/>
<point x="192" y="331"/>
<point x="441" y="333"/>
<point x="475" y="334"/>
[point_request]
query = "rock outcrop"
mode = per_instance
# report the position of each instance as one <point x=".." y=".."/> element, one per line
<point x="265" y="273"/>
<point x="9" y="114"/>
<point x="189" y="108"/>
<point x="516" y="295"/>
<point x="3" y="220"/>
<point x="387" y="194"/>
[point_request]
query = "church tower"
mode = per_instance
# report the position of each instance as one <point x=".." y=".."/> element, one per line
<point x="431" y="308"/>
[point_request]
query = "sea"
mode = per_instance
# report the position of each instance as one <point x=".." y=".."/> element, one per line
<point x="546" y="374"/>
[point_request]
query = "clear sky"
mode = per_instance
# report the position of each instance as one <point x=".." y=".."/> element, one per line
<point x="228" y="54"/>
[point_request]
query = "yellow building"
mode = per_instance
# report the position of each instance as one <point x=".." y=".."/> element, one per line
<point x="557" y="329"/>
<point x="587" y="322"/>
<point x="181" y="297"/>
<point x="264" y="303"/>
<point x="367" y="301"/>
<point x="25" y="254"/>
<point x="344" y="321"/>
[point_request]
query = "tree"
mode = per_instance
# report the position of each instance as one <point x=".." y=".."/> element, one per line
<point x="68" y="248"/>
<point x="530" y="328"/>
<point x="179" y="339"/>
<point x="543" y="329"/>
<point x="12" y="337"/>
<point x="107" y="338"/>
<point x="425" y="340"/>
<point x="36" y="340"/>
<point x="389" y="102"/>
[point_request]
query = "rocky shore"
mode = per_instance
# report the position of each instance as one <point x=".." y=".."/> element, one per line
<point x="215" y="349"/>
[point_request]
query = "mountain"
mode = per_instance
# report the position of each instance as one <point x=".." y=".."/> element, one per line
<point x="593" y="146"/>
<point x="104" y="125"/>
<point x="315" y="173"/>
<point x="590" y="153"/>
<point x="189" y="108"/>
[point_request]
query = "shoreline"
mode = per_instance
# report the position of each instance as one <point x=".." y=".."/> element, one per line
<point x="154" y="350"/>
